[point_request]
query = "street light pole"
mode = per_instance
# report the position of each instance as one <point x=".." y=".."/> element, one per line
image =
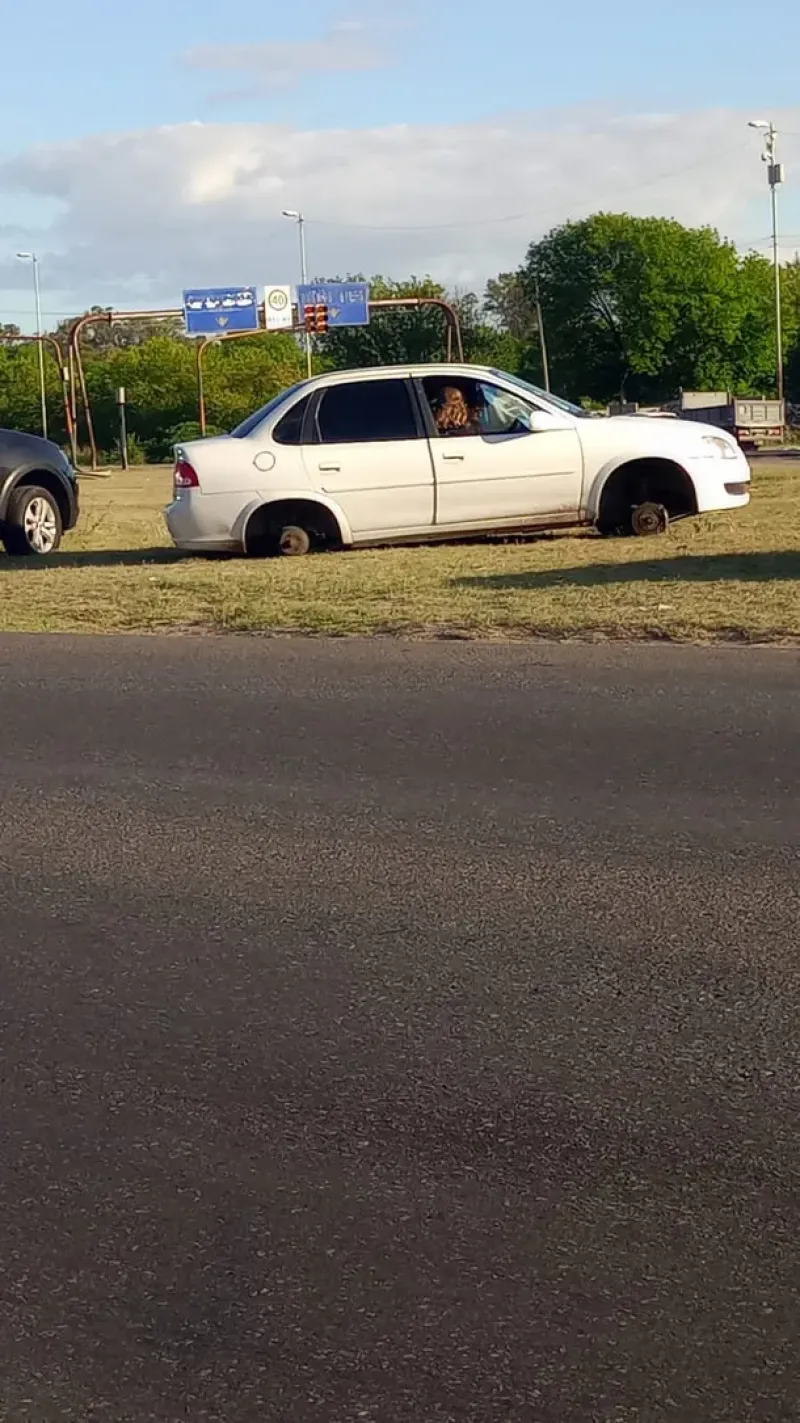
<point x="775" y="173"/>
<point x="37" y="297"/>
<point x="301" y="228"/>
<point x="774" y="178"/>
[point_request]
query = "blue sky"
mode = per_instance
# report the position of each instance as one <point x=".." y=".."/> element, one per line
<point x="97" y="66"/>
<point x="450" y="74"/>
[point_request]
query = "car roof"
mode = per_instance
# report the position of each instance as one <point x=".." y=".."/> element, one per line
<point x="409" y="368"/>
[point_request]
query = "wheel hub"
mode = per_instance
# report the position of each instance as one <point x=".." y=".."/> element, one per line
<point x="294" y="542"/>
<point x="649" y="519"/>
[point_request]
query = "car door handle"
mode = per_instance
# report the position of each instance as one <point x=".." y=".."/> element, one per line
<point x="330" y="469"/>
<point x="453" y="457"/>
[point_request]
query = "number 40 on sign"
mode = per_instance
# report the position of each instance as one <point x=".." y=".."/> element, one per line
<point x="278" y="308"/>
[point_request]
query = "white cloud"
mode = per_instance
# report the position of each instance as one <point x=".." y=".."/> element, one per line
<point x="140" y="215"/>
<point x="279" y="64"/>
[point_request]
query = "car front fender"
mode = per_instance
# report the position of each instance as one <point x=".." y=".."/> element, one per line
<point x="9" y="479"/>
<point x="597" y="484"/>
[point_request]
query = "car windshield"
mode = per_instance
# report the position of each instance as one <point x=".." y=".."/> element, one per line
<point x="545" y="395"/>
<point x="253" y="421"/>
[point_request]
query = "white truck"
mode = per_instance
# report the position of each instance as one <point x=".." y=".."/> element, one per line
<point x="751" y="421"/>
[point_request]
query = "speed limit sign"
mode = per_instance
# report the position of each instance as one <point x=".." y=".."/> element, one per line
<point x="278" y="308"/>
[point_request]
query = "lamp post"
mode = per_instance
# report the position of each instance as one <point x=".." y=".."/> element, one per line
<point x="301" y="228"/>
<point x="34" y="261"/>
<point x="774" y="178"/>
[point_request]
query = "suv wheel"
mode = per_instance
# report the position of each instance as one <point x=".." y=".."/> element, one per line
<point x="33" y="524"/>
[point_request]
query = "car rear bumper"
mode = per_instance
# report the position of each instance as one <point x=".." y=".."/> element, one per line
<point x="198" y="523"/>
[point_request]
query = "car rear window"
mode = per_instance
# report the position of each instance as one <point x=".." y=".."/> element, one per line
<point x="289" y="429"/>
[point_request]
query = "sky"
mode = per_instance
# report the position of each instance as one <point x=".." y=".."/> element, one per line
<point x="151" y="147"/>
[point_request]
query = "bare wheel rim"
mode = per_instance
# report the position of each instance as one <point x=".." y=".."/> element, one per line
<point x="40" y="525"/>
<point x="649" y="519"/>
<point x="293" y="541"/>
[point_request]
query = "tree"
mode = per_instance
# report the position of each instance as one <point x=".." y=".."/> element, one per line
<point x="790" y="316"/>
<point x="416" y="334"/>
<point x="160" y="379"/>
<point x="241" y="375"/>
<point x="639" y="307"/>
<point x="508" y="304"/>
<point x="20" y="399"/>
<point x="392" y="336"/>
<point x="111" y="336"/>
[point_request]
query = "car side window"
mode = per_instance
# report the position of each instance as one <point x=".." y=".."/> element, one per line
<point x="502" y="412"/>
<point x="463" y="406"/>
<point x="359" y="412"/>
<point x="454" y="403"/>
<point x="289" y="430"/>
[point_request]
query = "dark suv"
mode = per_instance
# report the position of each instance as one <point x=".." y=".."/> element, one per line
<point x="38" y="494"/>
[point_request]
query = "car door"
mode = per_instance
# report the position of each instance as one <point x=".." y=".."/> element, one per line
<point x="369" y="452"/>
<point x="495" y="468"/>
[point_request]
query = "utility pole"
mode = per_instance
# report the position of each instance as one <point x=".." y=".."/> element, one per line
<point x="301" y="227"/>
<point x="542" y="342"/>
<point x="774" y="179"/>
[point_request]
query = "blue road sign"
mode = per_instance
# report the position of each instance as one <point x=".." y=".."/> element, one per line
<point x="347" y="302"/>
<point x="209" y="311"/>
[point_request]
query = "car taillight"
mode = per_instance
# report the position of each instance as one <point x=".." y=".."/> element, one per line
<point x="184" y="476"/>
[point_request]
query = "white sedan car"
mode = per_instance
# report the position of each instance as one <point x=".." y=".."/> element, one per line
<point x="409" y="453"/>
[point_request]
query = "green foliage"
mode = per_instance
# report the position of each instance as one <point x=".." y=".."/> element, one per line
<point x="102" y="335"/>
<point x="637" y="307"/>
<point x="137" y="454"/>
<point x="158" y="369"/>
<point x="160" y="379"/>
<point x="20" y="402"/>
<point x="190" y="430"/>
<point x="509" y="305"/>
<point x="393" y="336"/>
<point x="416" y="334"/>
<point x="241" y="375"/>
<point x="640" y="307"/>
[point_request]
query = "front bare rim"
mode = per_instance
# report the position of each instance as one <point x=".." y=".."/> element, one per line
<point x="648" y="519"/>
<point x="40" y="526"/>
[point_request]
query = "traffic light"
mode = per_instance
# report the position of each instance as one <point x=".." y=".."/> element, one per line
<point x="315" y="319"/>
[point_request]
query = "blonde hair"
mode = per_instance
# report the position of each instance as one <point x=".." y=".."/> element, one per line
<point x="453" y="413"/>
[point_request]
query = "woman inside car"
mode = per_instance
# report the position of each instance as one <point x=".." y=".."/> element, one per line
<point x="453" y="415"/>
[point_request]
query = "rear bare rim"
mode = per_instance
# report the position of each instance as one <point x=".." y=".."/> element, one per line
<point x="293" y="542"/>
<point x="290" y="530"/>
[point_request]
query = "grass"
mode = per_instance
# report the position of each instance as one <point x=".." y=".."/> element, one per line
<point x="720" y="577"/>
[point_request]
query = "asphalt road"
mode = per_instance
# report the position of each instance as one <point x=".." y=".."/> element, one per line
<point x="399" y="1033"/>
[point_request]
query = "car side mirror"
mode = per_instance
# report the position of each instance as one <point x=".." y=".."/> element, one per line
<point x="541" y="421"/>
